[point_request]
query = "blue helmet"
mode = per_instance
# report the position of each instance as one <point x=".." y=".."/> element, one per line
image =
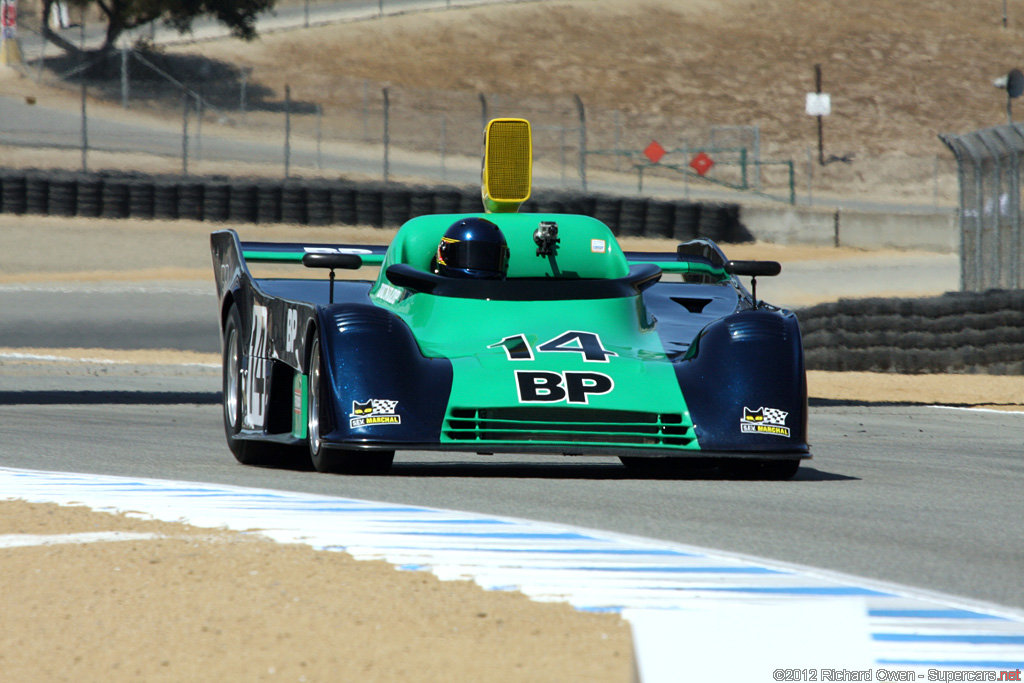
<point x="472" y="248"/>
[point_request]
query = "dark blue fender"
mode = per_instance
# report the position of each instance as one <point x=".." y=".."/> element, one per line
<point x="370" y="355"/>
<point x="744" y="363"/>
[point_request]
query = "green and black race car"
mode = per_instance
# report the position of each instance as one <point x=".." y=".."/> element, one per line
<point x="509" y="332"/>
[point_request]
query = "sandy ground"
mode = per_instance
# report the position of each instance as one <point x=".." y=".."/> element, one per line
<point x="192" y="604"/>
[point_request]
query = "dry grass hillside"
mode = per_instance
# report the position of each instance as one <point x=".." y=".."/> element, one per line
<point x="899" y="73"/>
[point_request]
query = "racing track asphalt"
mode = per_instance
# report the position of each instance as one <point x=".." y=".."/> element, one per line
<point x="927" y="497"/>
<point x="922" y="496"/>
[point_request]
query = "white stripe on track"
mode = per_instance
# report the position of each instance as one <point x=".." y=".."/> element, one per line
<point x="724" y="603"/>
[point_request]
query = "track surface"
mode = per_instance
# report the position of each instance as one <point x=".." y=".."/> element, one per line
<point x="923" y="496"/>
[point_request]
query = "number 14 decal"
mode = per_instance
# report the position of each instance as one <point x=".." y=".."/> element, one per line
<point x="586" y="343"/>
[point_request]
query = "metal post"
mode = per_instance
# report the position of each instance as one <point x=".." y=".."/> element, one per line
<point x="200" y="110"/>
<point x="821" y="135"/>
<point x="306" y="13"/>
<point x="483" y="111"/>
<point x="1013" y="209"/>
<point x="810" y="177"/>
<point x="387" y="135"/>
<point x="124" y="78"/>
<point x="319" y="136"/>
<point x="444" y="145"/>
<point x="184" y="134"/>
<point x="366" y="110"/>
<point x="85" y="133"/>
<point x="583" y="141"/>
<point x="287" y="129"/>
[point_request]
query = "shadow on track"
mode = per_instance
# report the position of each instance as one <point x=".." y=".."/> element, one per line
<point x="47" y="398"/>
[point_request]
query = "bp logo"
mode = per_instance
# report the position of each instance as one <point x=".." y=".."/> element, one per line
<point x="764" y="421"/>
<point x="374" y="412"/>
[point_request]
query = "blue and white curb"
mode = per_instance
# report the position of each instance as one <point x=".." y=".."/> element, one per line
<point x="711" y="614"/>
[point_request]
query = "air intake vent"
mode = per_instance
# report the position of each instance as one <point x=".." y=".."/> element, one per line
<point x="567" y="426"/>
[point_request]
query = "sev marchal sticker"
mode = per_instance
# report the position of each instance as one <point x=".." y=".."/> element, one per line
<point x="374" y="412"/>
<point x="764" y="421"/>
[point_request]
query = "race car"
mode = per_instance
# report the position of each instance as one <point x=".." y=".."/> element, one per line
<point x="509" y="332"/>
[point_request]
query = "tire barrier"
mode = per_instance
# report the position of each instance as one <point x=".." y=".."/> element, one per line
<point x="63" y="195"/>
<point x="190" y="201"/>
<point x="293" y="204"/>
<point x="960" y="332"/>
<point x="242" y="202"/>
<point x="318" y="204"/>
<point x="216" y="198"/>
<point x="114" y="198"/>
<point x="141" y="199"/>
<point x="165" y="200"/>
<point x="336" y="202"/>
<point x="89" y="196"/>
<point x="37" y="190"/>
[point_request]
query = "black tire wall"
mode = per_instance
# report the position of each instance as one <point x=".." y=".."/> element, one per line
<point x="335" y="202"/>
<point x="960" y="332"/>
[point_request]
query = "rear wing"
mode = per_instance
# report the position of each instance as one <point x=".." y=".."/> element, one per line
<point x="697" y="257"/>
<point x="293" y="252"/>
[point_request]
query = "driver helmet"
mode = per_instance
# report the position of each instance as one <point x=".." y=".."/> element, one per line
<point x="472" y="248"/>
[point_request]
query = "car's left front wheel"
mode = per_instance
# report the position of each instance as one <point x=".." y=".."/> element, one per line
<point x="323" y="458"/>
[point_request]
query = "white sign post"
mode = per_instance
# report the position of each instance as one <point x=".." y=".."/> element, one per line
<point x="819" y="104"/>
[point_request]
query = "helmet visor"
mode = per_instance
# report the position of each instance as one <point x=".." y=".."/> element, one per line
<point x="474" y="255"/>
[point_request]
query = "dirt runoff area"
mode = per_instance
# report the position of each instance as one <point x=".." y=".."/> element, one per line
<point x="180" y="603"/>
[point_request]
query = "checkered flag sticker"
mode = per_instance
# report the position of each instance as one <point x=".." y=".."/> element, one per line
<point x="772" y="416"/>
<point x="383" y="407"/>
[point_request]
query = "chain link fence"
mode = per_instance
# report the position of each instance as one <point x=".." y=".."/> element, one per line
<point x="423" y="133"/>
<point x="232" y="119"/>
<point x="989" y="172"/>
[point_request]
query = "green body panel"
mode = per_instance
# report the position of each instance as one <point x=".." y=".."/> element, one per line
<point x="470" y="332"/>
<point x="300" y="405"/>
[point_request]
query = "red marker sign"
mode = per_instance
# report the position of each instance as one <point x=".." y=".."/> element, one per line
<point x="654" y="152"/>
<point x="701" y="163"/>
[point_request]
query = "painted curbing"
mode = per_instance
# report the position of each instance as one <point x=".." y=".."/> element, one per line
<point x="723" y="602"/>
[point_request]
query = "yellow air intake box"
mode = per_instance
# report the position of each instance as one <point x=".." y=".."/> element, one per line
<point x="508" y="165"/>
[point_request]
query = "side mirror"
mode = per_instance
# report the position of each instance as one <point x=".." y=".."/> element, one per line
<point x="753" y="269"/>
<point x="332" y="261"/>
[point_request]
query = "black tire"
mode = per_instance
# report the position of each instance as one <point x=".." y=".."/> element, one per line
<point x="246" y="452"/>
<point x="215" y="202"/>
<point x="332" y="460"/>
<point x="242" y="203"/>
<point x="190" y="201"/>
<point x="37" y="192"/>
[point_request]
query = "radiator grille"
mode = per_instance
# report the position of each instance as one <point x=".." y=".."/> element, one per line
<point x="567" y="426"/>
